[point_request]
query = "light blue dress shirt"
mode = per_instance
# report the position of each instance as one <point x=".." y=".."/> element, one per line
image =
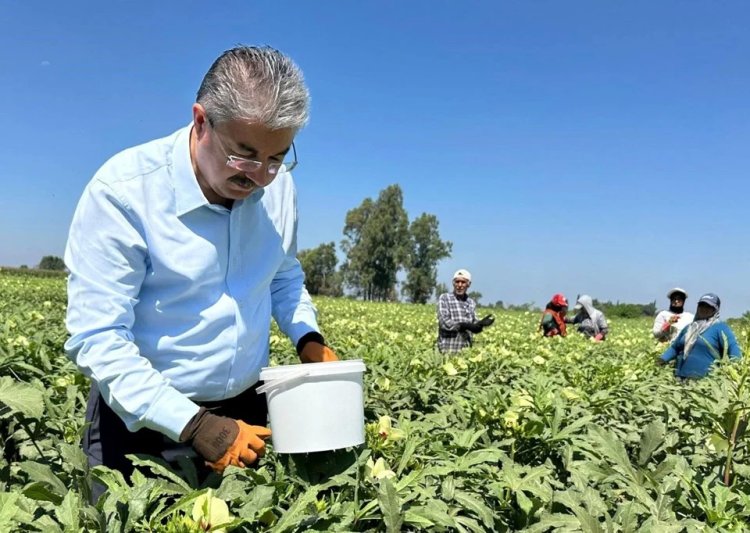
<point x="171" y="297"/>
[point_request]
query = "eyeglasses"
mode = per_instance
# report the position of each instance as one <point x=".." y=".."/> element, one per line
<point x="252" y="165"/>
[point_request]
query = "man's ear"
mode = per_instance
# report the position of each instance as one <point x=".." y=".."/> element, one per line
<point x="200" y="120"/>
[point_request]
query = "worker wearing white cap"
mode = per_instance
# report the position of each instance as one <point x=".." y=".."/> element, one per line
<point x="457" y="318"/>
<point x="670" y="322"/>
<point x="703" y="342"/>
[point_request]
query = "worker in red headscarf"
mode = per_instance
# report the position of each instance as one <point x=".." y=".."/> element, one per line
<point x="553" y="319"/>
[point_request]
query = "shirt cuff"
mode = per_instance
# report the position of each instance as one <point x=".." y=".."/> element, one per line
<point x="312" y="336"/>
<point x="170" y="413"/>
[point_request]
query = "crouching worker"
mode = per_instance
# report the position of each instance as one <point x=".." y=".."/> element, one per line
<point x="704" y="341"/>
<point x="457" y="317"/>
<point x="589" y="320"/>
<point x="179" y="252"/>
<point x="553" y="318"/>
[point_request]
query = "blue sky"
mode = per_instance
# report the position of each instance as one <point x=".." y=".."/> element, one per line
<point x="583" y="146"/>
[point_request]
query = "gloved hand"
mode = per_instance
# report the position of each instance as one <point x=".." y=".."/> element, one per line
<point x="474" y="327"/>
<point x="487" y="321"/>
<point x="224" y="441"/>
<point x="314" y="352"/>
<point x="660" y="361"/>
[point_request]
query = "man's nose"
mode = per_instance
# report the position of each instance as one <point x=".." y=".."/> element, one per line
<point x="260" y="177"/>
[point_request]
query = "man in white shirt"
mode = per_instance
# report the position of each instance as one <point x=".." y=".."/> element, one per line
<point x="180" y="252"/>
<point x="670" y="322"/>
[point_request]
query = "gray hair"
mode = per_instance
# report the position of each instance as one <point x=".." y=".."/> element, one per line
<point x="257" y="84"/>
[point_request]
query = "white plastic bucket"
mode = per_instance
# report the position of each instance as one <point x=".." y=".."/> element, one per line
<point x="315" y="407"/>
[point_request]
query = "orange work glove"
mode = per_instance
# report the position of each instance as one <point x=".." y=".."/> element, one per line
<point x="224" y="441"/>
<point x="314" y="352"/>
<point x="246" y="448"/>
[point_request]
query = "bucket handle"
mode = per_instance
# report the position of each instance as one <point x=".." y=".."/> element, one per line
<point x="293" y="376"/>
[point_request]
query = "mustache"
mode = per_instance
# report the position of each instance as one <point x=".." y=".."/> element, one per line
<point x="242" y="180"/>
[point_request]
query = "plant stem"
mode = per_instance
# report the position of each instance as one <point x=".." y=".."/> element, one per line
<point x="33" y="440"/>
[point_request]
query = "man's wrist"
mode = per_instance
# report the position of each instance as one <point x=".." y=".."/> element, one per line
<point x="313" y="336"/>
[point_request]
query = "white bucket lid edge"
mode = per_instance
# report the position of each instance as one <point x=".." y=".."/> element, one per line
<point x="314" y="369"/>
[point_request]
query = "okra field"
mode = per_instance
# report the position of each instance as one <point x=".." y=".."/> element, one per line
<point x="518" y="433"/>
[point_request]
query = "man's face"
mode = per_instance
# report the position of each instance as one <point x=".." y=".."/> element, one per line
<point x="677" y="300"/>
<point x="213" y="144"/>
<point x="704" y="311"/>
<point x="460" y="286"/>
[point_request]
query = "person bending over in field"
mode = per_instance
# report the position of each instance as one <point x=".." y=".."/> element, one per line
<point x="670" y="322"/>
<point x="180" y="251"/>
<point x="704" y="341"/>
<point x="553" y="318"/>
<point x="589" y="320"/>
<point x="457" y="318"/>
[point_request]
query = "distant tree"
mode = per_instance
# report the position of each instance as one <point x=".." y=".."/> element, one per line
<point x="319" y="265"/>
<point x="499" y="305"/>
<point x="476" y="296"/>
<point x="24" y="267"/>
<point x="376" y="245"/>
<point x="526" y="306"/>
<point x="356" y="271"/>
<point x="425" y="250"/>
<point x="441" y="288"/>
<point x="51" y="262"/>
<point x="626" y="310"/>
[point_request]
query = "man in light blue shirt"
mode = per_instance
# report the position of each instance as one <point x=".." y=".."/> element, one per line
<point x="180" y="252"/>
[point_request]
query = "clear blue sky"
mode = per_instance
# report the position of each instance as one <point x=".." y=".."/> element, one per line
<point x="583" y="146"/>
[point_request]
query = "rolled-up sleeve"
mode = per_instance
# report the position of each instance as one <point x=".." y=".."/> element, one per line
<point x="107" y="259"/>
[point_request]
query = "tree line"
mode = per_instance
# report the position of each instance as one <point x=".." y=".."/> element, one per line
<point x="610" y="309"/>
<point x="379" y="243"/>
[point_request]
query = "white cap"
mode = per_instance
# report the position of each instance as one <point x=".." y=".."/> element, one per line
<point x="461" y="273"/>
<point x="677" y="289"/>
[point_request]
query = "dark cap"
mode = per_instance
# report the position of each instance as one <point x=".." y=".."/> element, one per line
<point x="710" y="299"/>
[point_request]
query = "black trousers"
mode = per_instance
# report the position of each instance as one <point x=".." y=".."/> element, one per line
<point x="107" y="440"/>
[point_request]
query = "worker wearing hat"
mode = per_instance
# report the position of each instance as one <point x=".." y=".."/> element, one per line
<point x="457" y="317"/>
<point x="702" y="342"/>
<point x="553" y="318"/>
<point x="669" y="322"/>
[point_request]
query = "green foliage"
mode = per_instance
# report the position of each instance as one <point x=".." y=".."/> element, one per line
<point x="441" y="288"/>
<point x="626" y="310"/>
<point x="376" y="244"/>
<point x="475" y="295"/>
<point x="425" y="251"/>
<point x="527" y="306"/>
<point x="520" y="432"/>
<point x="51" y="262"/>
<point x="319" y="265"/>
<point x="25" y="272"/>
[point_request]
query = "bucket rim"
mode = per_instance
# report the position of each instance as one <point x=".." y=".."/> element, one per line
<point x="349" y="366"/>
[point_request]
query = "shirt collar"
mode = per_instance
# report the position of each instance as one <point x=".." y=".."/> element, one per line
<point x="188" y="194"/>
<point x="187" y="191"/>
